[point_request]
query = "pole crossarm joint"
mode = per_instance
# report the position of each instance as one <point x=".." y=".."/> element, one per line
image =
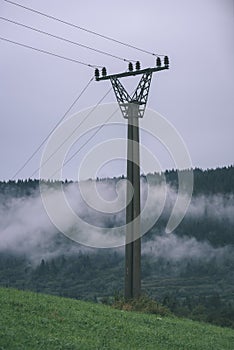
<point x="139" y="97"/>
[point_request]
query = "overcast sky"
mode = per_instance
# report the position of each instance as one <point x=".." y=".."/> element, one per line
<point x="196" y="95"/>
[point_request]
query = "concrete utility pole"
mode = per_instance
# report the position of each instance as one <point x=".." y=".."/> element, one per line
<point x="132" y="109"/>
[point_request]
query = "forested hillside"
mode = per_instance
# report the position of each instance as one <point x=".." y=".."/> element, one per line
<point x="191" y="270"/>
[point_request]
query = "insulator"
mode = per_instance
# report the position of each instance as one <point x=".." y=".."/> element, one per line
<point x="138" y="65"/>
<point x="130" y="66"/>
<point x="104" y="71"/>
<point x="166" y="61"/>
<point x="97" y="74"/>
<point x="158" y="62"/>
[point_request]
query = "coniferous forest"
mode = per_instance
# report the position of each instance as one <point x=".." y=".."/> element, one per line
<point x="191" y="271"/>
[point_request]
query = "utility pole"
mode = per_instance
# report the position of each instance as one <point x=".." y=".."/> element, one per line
<point x="132" y="109"/>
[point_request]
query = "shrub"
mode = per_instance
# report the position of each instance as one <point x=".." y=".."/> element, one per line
<point x="142" y="304"/>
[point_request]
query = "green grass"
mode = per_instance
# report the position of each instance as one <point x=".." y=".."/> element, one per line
<point x="36" y="321"/>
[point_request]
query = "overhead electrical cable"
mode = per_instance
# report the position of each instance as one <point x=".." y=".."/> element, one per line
<point x="86" y="142"/>
<point x="50" y="53"/>
<point x="75" y="129"/>
<point x="65" y="40"/>
<point x="50" y="133"/>
<point x="82" y="28"/>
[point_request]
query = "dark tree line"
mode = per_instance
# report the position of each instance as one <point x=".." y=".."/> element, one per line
<point x="210" y="181"/>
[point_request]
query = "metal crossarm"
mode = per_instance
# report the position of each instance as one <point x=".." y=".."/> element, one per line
<point x="141" y="93"/>
<point x="139" y="97"/>
<point x="133" y="73"/>
<point x="122" y="96"/>
<point x="120" y="92"/>
<point x="142" y="90"/>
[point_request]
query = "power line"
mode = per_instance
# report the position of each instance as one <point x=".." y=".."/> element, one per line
<point x="49" y="53"/>
<point x="65" y="40"/>
<point x="89" y="139"/>
<point x="50" y="133"/>
<point x="68" y="137"/>
<point x="84" y="144"/>
<point x="82" y="28"/>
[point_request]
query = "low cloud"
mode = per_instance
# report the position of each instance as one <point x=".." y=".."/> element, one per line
<point x="25" y="227"/>
<point x="171" y="247"/>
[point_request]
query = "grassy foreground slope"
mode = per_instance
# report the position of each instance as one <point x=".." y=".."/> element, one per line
<point x="36" y="321"/>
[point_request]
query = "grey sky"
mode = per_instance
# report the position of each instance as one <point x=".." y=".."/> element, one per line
<point x="195" y="95"/>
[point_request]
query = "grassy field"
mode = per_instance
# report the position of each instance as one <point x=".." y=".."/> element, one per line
<point x="36" y="321"/>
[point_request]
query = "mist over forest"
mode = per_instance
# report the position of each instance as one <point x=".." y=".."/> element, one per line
<point x="189" y="267"/>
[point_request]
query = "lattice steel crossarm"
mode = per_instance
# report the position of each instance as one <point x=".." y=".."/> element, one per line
<point x="141" y="93"/>
<point x="122" y="96"/>
<point x="139" y="97"/>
